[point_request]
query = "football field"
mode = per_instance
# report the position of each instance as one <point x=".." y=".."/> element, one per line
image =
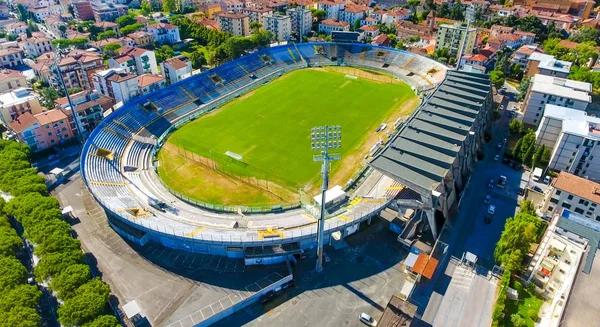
<point x="270" y="128"/>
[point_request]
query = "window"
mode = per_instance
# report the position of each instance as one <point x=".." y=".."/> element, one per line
<point x="51" y="141"/>
<point x="47" y="126"/>
<point x="566" y="205"/>
<point x="64" y="129"/>
<point x="594" y="205"/>
<point x="589" y="213"/>
<point x="579" y="211"/>
<point x="584" y="202"/>
<point x="537" y="115"/>
<point x="577" y="146"/>
<point x="550" y="209"/>
<point x="558" y="192"/>
<point x="553" y="200"/>
<point x="49" y="133"/>
<point x="597" y="218"/>
<point x="570" y="197"/>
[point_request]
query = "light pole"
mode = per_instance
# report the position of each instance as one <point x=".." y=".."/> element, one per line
<point x="56" y="69"/>
<point x="324" y="138"/>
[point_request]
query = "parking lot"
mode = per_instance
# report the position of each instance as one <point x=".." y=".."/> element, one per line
<point x="361" y="277"/>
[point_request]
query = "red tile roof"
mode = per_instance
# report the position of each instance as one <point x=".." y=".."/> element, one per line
<point x="149" y="79"/>
<point x="22" y="122"/>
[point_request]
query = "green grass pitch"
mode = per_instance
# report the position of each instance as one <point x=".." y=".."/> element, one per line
<point x="271" y="127"/>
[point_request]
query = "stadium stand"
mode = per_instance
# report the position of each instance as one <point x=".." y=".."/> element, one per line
<point x="116" y="160"/>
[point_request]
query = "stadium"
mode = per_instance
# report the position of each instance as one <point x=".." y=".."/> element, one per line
<point x="122" y="158"/>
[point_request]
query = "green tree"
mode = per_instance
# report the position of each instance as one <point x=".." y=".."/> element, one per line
<point x="131" y="28"/>
<point x="163" y="53"/>
<point x="20" y="296"/>
<point x="57" y="243"/>
<point x="23" y="13"/>
<point x="517" y="320"/>
<point x="545" y="158"/>
<point x="516" y="153"/>
<point x="55" y="263"/>
<point x="87" y="304"/>
<point x="527" y="206"/>
<point x="126" y="20"/>
<point x="38" y="232"/>
<point x="106" y="35"/>
<point x="28" y="33"/>
<point x="255" y="26"/>
<point x="20" y="316"/>
<point x="103" y="321"/>
<point x="170" y="6"/>
<point x="112" y="49"/>
<point x="63" y="30"/>
<point x="356" y="25"/>
<point x="10" y="242"/>
<point x="528" y="156"/>
<point x="146" y="8"/>
<point x="12" y="273"/>
<point x="585" y="34"/>
<point x="516" y="127"/>
<point x="497" y="78"/>
<point x="69" y="280"/>
<point x="537" y="157"/>
<point x="522" y="89"/>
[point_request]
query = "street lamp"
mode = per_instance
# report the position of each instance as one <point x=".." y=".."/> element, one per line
<point x="324" y="138"/>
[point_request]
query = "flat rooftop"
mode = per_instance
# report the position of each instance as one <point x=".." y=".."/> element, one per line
<point x="562" y="87"/>
<point x="574" y="121"/>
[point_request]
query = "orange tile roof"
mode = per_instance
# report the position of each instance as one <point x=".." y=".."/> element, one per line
<point x="50" y="116"/>
<point x="22" y="122"/>
<point x="149" y="79"/>
<point x="568" y="44"/>
<point x="578" y="186"/>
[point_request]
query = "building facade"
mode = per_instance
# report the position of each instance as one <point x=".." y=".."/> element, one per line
<point x="333" y="25"/>
<point x="301" y="20"/>
<point x="452" y="37"/>
<point x="175" y="69"/>
<point x="15" y="103"/>
<point x="279" y="25"/>
<point x="236" y="24"/>
<point x="545" y="89"/>
<point x="164" y="33"/>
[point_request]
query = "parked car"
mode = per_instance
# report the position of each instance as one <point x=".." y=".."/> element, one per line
<point x="491" y="183"/>
<point x="497" y="157"/>
<point x="521" y="191"/>
<point x="487" y="199"/>
<point x="502" y="181"/>
<point x="367" y="320"/>
<point x="546" y="180"/>
<point x="537" y="189"/>
<point x="499" y="145"/>
<point x="491" y="211"/>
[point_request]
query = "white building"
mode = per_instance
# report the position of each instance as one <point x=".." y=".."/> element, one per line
<point x="164" y="33"/>
<point x="301" y="20"/>
<point x="42" y="12"/>
<point x="233" y="6"/>
<point x="557" y="91"/>
<point x="279" y="25"/>
<point x="236" y="24"/>
<point x="573" y="138"/>
<point x="352" y="13"/>
<point x="176" y="69"/>
<point x="117" y="84"/>
<point x="333" y="25"/>
<point x="38" y="45"/>
<point x="255" y="15"/>
<point x="331" y="8"/>
<point x="149" y="83"/>
<point x="541" y="63"/>
<point x="575" y="194"/>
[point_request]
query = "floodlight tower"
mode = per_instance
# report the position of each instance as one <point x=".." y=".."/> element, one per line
<point x="324" y="138"/>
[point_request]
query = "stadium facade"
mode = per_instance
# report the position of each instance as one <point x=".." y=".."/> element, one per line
<point x="119" y="167"/>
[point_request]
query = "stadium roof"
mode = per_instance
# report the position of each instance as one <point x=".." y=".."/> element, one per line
<point x="424" y="150"/>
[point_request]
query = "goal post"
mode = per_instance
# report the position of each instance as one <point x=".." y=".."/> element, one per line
<point x="235" y="156"/>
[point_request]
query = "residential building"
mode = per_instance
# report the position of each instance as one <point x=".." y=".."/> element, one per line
<point x="141" y="38"/>
<point x="278" y="24"/>
<point x="11" y="80"/>
<point x="100" y="45"/>
<point x="209" y="23"/>
<point x="43" y="130"/>
<point x="149" y="83"/>
<point x="135" y="60"/>
<point x="17" y="28"/>
<point x="452" y="37"/>
<point x="108" y="11"/>
<point x="109" y="26"/>
<point x="236" y="24"/>
<point x="4" y="11"/>
<point x="164" y="33"/>
<point x="301" y="20"/>
<point x="521" y="56"/>
<point x="369" y="31"/>
<point x="478" y="61"/>
<point x="540" y="63"/>
<point x="53" y="24"/>
<point x="117" y="84"/>
<point x="40" y="13"/>
<point x="573" y="138"/>
<point x="351" y="13"/>
<point x="83" y="10"/>
<point x="78" y="67"/>
<point x="37" y="45"/>
<point x="233" y="6"/>
<point x="210" y="9"/>
<point x="90" y="106"/>
<point x="512" y="36"/>
<point x="332" y="8"/>
<point x="15" y="103"/>
<point x="381" y="40"/>
<point x="545" y="89"/>
<point x="333" y="25"/>
<point x="576" y="194"/>
<point x="255" y="15"/>
<point x="176" y="69"/>
<point x="391" y="17"/>
<point x="11" y="57"/>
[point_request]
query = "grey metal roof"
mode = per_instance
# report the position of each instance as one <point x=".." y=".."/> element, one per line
<point x="427" y="145"/>
<point x="591" y="235"/>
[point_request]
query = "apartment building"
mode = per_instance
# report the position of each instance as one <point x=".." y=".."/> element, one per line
<point x="109" y="26"/>
<point x="391" y="17"/>
<point x="141" y="38"/>
<point x="108" y="11"/>
<point x="175" y="69"/>
<point x="255" y="15"/>
<point x="15" y="103"/>
<point x="332" y="9"/>
<point x="43" y="130"/>
<point x="210" y="9"/>
<point x="149" y="83"/>
<point x="164" y="33"/>
<point x="521" y="55"/>
<point x="17" y="28"/>
<point x="540" y="63"/>
<point x="452" y="37"/>
<point x="576" y="194"/>
<point x="90" y="106"/>
<point x="351" y="13"/>
<point x="236" y="24"/>
<point x="78" y="67"/>
<point x="83" y="10"/>
<point x="117" y="84"/>
<point x="40" y="13"/>
<point x="11" y="80"/>
<point x="333" y="25"/>
<point x="573" y="138"/>
<point x="279" y="25"/>
<point x="11" y="57"/>
<point x="545" y="89"/>
<point x="301" y="20"/>
<point x="37" y="45"/>
<point x="233" y="6"/>
<point x="135" y="61"/>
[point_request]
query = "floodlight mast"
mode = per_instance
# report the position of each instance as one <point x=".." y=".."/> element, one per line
<point x="324" y="138"/>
